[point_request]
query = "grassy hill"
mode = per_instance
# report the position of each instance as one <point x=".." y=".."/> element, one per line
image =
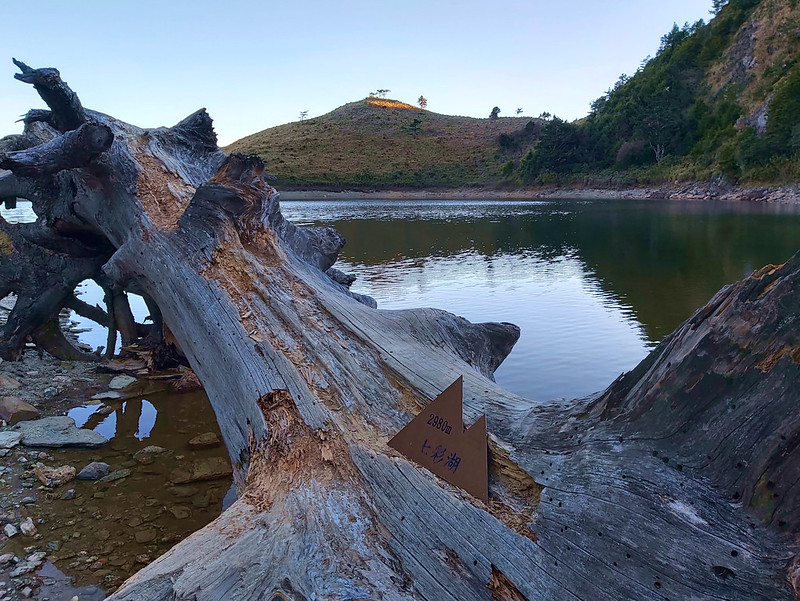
<point x="381" y="143"/>
<point x="720" y="99"/>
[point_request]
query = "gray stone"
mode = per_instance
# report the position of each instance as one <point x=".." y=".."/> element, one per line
<point x="208" y="468"/>
<point x="148" y="455"/>
<point x="145" y="535"/>
<point x="107" y="396"/>
<point x="94" y="471"/>
<point x="9" y="440"/>
<point x="205" y="440"/>
<point x="117" y="475"/>
<point x="14" y="410"/>
<point x="6" y="558"/>
<point x="120" y="382"/>
<point x="28" y="501"/>
<point x="181" y="512"/>
<point x="10" y="530"/>
<point x="59" y="431"/>
<point x="69" y="495"/>
<point x="183" y="492"/>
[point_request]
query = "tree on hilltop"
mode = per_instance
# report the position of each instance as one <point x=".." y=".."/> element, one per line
<point x="494" y="113"/>
<point x="423" y="102"/>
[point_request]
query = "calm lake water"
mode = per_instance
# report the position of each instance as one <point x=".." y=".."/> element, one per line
<point x="593" y="284"/>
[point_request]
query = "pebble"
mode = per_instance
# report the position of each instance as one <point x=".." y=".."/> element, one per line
<point x="120" y="382"/>
<point x="204" y="441"/>
<point x="148" y="455"/>
<point x="23" y="567"/>
<point x="28" y="500"/>
<point x="6" y="558"/>
<point x="145" y="535"/>
<point x="9" y="440"/>
<point x="14" y="410"/>
<point x="10" y="530"/>
<point x="107" y="396"/>
<point x="207" y="468"/>
<point x="27" y="592"/>
<point x="27" y="527"/>
<point x="53" y="477"/>
<point x="180" y="512"/>
<point x="9" y="382"/>
<point x="116" y="475"/>
<point x="70" y="494"/>
<point x="94" y="471"/>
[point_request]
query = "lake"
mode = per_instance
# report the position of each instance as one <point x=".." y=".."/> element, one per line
<point x="593" y="284"/>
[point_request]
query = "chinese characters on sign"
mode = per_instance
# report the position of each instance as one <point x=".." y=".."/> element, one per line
<point x="437" y="440"/>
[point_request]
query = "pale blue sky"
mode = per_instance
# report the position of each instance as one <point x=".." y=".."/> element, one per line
<point x="258" y="64"/>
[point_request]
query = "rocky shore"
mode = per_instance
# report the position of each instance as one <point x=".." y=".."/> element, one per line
<point x="717" y="190"/>
<point x="83" y="508"/>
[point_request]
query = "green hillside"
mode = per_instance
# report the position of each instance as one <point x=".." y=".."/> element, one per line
<point x="720" y="99"/>
<point x="378" y="143"/>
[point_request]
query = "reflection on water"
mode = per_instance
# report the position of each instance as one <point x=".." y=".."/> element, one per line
<point x="94" y="418"/>
<point x="88" y="331"/>
<point x="594" y="285"/>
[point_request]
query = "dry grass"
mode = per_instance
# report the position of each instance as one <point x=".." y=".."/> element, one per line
<point x="389" y="103"/>
<point x="383" y="143"/>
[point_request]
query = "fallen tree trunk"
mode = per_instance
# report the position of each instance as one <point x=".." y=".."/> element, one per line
<point x="678" y="482"/>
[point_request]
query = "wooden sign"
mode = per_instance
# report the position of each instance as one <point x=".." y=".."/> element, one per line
<point x="437" y="440"/>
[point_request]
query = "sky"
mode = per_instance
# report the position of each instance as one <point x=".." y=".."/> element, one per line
<point x="255" y="65"/>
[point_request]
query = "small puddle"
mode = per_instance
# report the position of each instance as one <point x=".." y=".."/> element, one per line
<point x="107" y="530"/>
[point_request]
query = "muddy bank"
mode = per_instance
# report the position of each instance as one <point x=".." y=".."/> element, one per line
<point x="676" y="191"/>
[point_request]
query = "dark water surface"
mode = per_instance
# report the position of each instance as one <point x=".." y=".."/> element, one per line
<point x="594" y="284"/>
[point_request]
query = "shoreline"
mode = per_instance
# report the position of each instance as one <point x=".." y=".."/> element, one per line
<point x="677" y="191"/>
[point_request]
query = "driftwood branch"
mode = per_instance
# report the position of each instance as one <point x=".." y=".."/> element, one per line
<point x="71" y="150"/>
<point x="678" y="482"/>
<point x="67" y="111"/>
<point x="84" y="309"/>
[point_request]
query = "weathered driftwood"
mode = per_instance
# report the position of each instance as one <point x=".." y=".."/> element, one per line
<point x="678" y="482"/>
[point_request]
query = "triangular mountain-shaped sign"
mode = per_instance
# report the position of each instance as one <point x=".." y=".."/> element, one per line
<point x="436" y="439"/>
